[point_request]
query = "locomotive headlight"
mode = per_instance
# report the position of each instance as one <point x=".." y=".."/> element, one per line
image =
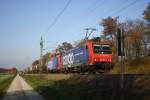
<point x="94" y="59"/>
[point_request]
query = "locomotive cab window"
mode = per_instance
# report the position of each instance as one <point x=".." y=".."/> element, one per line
<point x="102" y="48"/>
<point x="86" y="47"/>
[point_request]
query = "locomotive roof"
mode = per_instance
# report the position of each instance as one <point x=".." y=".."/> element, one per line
<point x="101" y="42"/>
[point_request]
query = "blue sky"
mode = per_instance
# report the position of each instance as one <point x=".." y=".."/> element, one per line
<point x="23" y="21"/>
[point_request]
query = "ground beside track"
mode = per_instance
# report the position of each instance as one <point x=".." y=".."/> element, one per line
<point x="104" y="86"/>
<point x="90" y="87"/>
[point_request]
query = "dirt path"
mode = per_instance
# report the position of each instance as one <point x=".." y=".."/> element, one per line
<point x="20" y="90"/>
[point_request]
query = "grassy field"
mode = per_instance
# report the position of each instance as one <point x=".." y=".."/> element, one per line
<point x="5" y="80"/>
<point x="90" y="87"/>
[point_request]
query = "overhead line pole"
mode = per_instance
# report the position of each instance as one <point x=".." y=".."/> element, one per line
<point x="51" y="25"/>
<point x="41" y="55"/>
<point x="121" y="53"/>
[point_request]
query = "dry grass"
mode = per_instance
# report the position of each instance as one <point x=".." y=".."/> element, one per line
<point x="140" y="66"/>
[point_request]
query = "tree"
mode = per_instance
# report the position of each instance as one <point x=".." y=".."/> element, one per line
<point x="146" y="40"/>
<point x="109" y="33"/>
<point x="35" y="65"/>
<point x="147" y="13"/>
<point x="110" y="26"/>
<point x="134" y="32"/>
<point x="64" y="47"/>
<point x="79" y="43"/>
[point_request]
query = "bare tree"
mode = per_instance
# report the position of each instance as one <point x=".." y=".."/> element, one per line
<point x="64" y="47"/>
<point x="35" y="66"/>
<point x="147" y="13"/>
<point x="146" y="39"/>
<point x="134" y="32"/>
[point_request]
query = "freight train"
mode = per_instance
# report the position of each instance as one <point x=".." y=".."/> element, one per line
<point x="88" y="57"/>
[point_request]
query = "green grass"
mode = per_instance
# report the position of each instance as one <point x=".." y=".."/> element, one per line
<point x="92" y="87"/>
<point x="96" y="87"/>
<point x="5" y="80"/>
<point x="47" y="88"/>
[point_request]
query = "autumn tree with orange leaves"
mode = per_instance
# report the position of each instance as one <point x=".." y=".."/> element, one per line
<point x="110" y="27"/>
<point x="137" y="35"/>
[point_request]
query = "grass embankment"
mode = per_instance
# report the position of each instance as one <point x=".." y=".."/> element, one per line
<point x="5" y="80"/>
<point x="138" y="66"/>
<point x="96" y="87"/>
<point x="91" y="87"/>
<point x="47" y="86"/>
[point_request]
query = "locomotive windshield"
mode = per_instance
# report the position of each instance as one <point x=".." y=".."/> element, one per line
<point x="102" y="48"/>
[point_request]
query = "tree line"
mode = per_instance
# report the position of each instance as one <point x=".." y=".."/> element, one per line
<point x="136" y="35"/>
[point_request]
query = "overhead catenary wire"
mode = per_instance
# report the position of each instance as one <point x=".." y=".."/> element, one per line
<point x="97" y="4"/>
<point x="57" y="17"/>
<point x="116" y="7"/>
<point x="125" y="7"/>
<point x="117" y="11"/>
<point x="53" y="23"/>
